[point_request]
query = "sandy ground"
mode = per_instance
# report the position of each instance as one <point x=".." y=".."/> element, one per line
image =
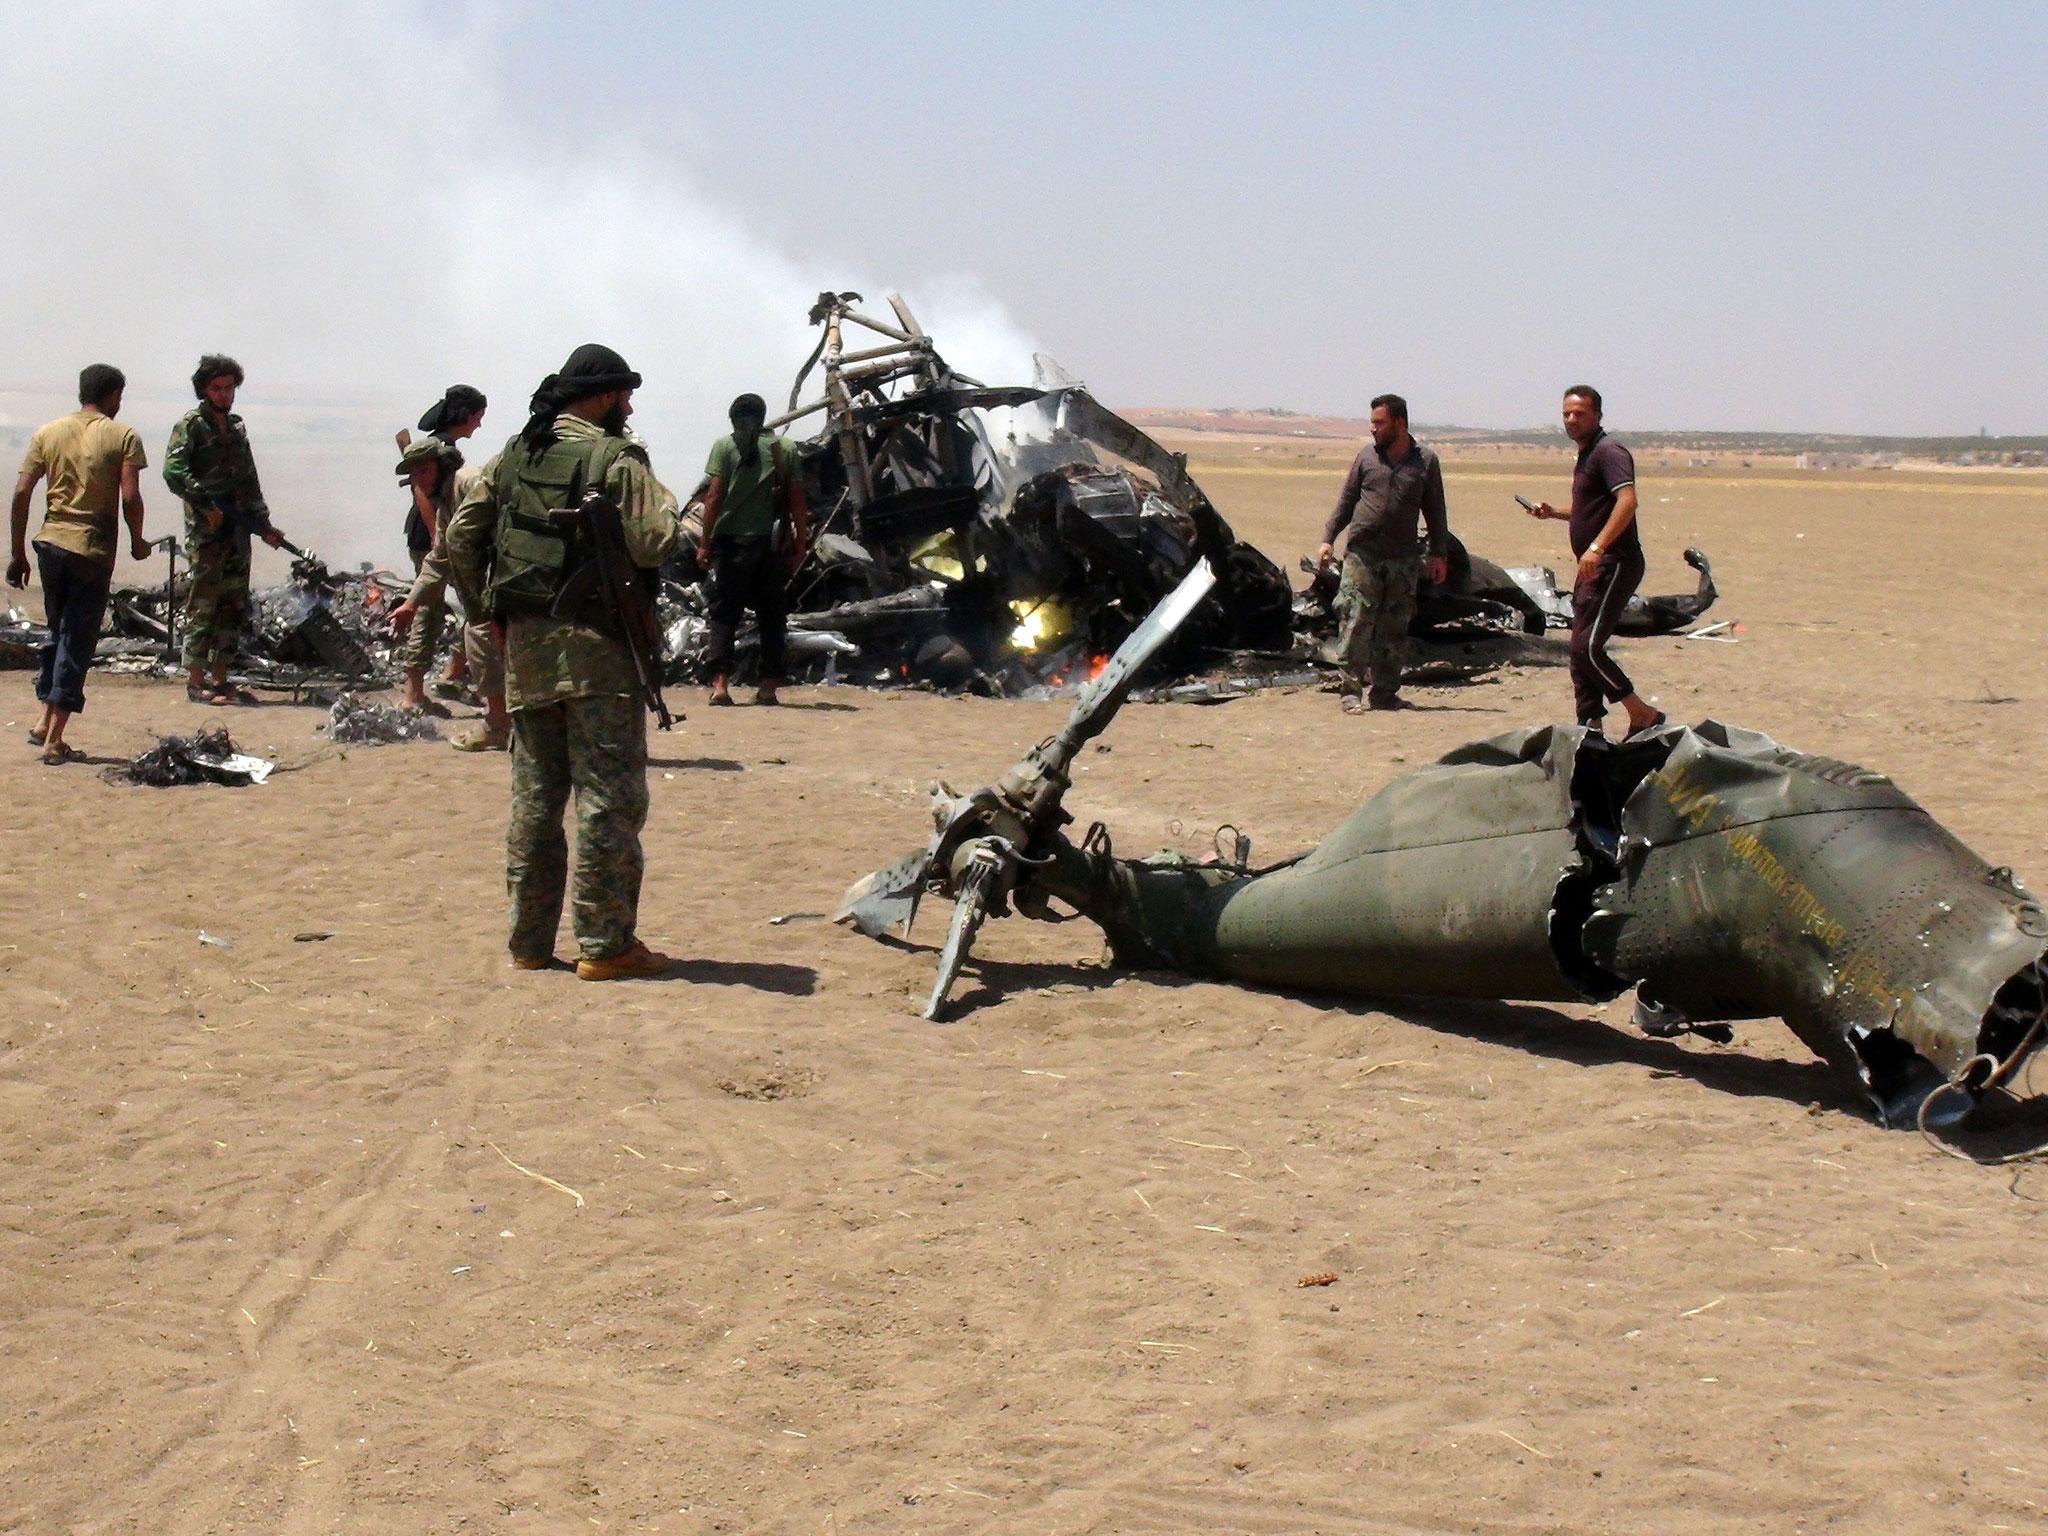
<point x="269" y="1265"/>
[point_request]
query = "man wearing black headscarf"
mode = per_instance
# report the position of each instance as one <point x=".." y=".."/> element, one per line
<point x="447" y="422"/>
<point x="754" y="535"/>
<point x="578" y="723"/>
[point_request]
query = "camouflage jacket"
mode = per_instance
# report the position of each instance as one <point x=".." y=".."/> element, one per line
<point x="431" y="584"/>
<point x="206" y="461"/>
<point x="549" y="659"/>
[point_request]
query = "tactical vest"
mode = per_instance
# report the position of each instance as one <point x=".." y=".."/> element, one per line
<point x="531" y="557"/>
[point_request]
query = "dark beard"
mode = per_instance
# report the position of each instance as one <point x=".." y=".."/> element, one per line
<point x="614" y="420"/>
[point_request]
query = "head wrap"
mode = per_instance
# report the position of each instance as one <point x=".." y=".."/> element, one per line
<point x="591" y="370"/>
<point x="458" y="401"/>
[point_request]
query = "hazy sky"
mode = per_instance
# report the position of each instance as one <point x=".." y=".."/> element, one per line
<point x="1816" y="216"/>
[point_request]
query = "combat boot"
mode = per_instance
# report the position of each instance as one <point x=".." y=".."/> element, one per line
<point x="633" y="964"/>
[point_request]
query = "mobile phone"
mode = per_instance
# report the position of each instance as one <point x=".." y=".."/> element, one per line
<point x="1527" y="504"/>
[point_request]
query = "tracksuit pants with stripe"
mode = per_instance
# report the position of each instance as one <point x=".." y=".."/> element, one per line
<point x="1597" y="679"/>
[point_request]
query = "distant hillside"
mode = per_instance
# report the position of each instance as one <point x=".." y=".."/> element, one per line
<point x="2022" y="451"/>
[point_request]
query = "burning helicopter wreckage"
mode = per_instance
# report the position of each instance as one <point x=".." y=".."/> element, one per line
<point x="1007" y="538"/>
<point x="1718" y="874"/>
<point x="1000" y="539"/>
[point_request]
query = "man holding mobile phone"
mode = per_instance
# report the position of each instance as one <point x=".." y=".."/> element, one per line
<point x="1610" y="555"/>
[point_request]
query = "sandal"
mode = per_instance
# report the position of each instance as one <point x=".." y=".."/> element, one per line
<point x="61" y="752"/>
<point x="35" y="738"/>
<point x="196" y="695"/>
<point x="485" y="740"/>
<point x="1650" y="724"/>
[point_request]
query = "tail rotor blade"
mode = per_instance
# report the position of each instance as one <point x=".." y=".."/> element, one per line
<point x="970" y="910"/>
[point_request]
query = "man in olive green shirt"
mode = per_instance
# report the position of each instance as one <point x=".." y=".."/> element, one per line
<point x="578" y="723"/>
<point x="756" y="483"/>
<point x="92" y="462"/>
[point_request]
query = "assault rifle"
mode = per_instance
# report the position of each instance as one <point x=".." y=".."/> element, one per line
<point x="231" y="509"/>
<point x="610" y="577"/>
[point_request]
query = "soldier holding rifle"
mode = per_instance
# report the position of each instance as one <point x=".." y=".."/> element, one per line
<point x="528" y="548"/>
<point x="209" y="467"/>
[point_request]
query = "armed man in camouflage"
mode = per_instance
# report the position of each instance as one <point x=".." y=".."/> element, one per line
<point x="208" y="466"/>
<point x="433" y="468"/>
<point x="457" y="415"/>
<point x="578" y="722"/>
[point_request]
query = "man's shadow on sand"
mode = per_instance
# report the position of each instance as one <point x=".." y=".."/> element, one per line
<point x="760" y="975"/>
<point x="1530" y="1027"/>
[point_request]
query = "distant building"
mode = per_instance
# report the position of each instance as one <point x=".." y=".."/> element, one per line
<point x="1846" y="461"/>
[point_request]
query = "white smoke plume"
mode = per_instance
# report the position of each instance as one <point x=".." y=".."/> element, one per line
<point x="346" y="200"/>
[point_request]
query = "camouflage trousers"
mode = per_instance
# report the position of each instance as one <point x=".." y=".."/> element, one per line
<point x="1377" y="601"/>
<point x="597" y="748"/>
<point x="485" y="653"/>
<point x="217" y="606"/>
<point x="423" y="635"/>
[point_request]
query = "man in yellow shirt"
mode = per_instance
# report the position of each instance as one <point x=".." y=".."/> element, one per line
<point x="94" y="466"/>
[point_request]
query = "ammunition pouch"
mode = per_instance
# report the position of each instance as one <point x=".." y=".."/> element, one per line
<point x="532" y="555"/>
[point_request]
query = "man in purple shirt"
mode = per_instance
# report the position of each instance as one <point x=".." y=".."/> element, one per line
<point x="1392" y="483"/>
<point x="1610" y="555"/>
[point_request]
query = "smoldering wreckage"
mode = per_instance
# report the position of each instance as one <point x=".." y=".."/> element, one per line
<point x="996" y="539"/>
<point x="1006" y="538"/>
<point x="1718" y="874"/>
<point x="1013" y="540"/>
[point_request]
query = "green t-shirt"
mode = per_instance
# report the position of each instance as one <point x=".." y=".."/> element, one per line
<point x="749" y="509"/>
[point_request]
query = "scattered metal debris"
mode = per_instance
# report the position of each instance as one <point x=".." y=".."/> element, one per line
<point x="318" y="631"/>
<point x="210" y="757"/>
<point x="364" y="722"/>
<point x="1479" y="599"/>
<point x="1720" y="875"/>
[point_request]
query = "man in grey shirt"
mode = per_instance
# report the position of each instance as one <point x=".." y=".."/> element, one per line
<point x="1392" y="483"/>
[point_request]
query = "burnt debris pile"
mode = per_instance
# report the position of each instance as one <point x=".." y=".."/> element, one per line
<point x="206" y="757"/>
<point x="320" y="628"/>
<point x="358" y="721"/>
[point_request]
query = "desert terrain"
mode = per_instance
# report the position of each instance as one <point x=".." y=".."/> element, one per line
<point x="368" y="1233"/>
